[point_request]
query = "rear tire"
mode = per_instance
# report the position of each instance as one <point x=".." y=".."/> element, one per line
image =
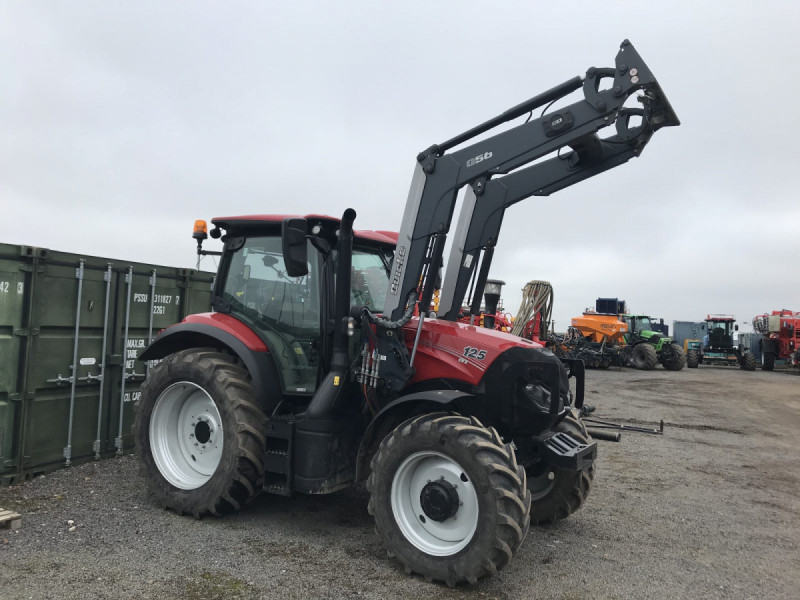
<point x="768" y="361"/>
<point x="692" y="359"/>
<point x="645" y="357"/>
<point x="678" y="359"/>
<point x="748" y="362"/>
<point x="555" y="499"/>
<point x="199" y="434"/>
<point x="472" y="463"/>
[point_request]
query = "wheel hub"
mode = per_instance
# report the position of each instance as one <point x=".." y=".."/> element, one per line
<point x="186" y="435"/>
<point x="439" y="500"/>
<point x="428" y="489"/>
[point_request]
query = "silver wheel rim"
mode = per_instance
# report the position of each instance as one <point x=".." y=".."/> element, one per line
<point x="436" y="538"/>
<point x="186" y="435"/>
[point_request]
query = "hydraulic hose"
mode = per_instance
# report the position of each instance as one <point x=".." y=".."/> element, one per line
<point x="386" y="323"/>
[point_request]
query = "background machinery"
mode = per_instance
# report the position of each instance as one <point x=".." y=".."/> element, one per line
<point x="780" y="331"/>
<point x="598" y="336"/>
<point x="314" y="372"/>
<point x="533" y="319"/>
<point x="718" y="347"/>
<point x="609" y="334"/>
<point x="641" y="335"/>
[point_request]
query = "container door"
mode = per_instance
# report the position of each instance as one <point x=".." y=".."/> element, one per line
<point x="60" y="427"/>
<point x="169" y="295"/>
<point x="13" y="288"/>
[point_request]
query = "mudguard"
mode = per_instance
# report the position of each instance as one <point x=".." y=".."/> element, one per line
<point x="256" y="358"/>
<point x="392" y="415"/>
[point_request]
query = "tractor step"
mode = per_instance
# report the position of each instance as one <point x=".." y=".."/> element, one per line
<point x="565" y="452"/>
<point x="278" y="458"/>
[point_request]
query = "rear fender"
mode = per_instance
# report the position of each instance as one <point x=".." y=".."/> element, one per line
<point x="259" y="363"/>
<point x="395" y="413"/>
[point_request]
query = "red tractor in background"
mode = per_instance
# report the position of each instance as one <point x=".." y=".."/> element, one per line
<point x="780" y="332"/>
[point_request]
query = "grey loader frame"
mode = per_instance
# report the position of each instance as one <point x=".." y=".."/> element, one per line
<point x="439" y="175"/>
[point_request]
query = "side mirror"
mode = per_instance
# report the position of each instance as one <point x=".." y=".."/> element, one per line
<point x="295" y="248"/>
<point x="736" y="328"/>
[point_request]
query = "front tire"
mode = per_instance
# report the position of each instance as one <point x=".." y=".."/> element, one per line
<point x="692" y="359"/>
<point x="677" y="359"/>
<point x="645" y="357"/>
<point x="557" y="493"/>
<point x="768" y="361"/>
<point x="199" y="434"/>
<point x="748" y="362"/>
<point x="430" y="472"/>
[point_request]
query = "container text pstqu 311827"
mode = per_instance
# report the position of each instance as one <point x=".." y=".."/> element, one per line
<point x="71" y="329"/>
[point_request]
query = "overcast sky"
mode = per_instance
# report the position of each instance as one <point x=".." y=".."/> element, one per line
<point x="123" y="122"/>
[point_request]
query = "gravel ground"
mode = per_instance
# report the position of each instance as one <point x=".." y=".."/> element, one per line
<point x="709" y="510"/>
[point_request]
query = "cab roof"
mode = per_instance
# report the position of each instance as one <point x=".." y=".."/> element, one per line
<point x="250" y="222"/>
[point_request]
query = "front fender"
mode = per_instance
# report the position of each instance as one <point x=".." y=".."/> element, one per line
<point x="392" y="415"/>
<point x="256" y="359"/>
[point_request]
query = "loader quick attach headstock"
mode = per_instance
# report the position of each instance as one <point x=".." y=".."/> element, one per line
<point x="570" y="132"/>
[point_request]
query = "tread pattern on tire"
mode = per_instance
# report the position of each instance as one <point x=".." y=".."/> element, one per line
<point x="692" y="359"/>
<point x="245" y="479"/>
<point x="508" y="479"/>
<point x="678" y="359"/>
<point x="571" y="487"/>
<point x="748" y="362"/>
<point x="645" y="357"/>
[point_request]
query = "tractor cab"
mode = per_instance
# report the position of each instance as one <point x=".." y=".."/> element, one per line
<point x="291" y="313"/>
<point x="638" y="325"/>
<point x="720" y="333"/>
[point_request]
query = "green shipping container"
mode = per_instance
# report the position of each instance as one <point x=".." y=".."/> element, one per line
<point x="61" y="312"/>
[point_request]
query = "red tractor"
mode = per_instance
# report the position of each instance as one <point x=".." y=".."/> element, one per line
<point x="313" y="373"/>
<point x="780" y="332"/>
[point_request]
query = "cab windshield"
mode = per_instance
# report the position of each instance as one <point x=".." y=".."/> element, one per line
<point x="369" y="280"/>
<point x="643" y="324"/>
<point x="284" y="310"/>
<point x="724" y="327"/>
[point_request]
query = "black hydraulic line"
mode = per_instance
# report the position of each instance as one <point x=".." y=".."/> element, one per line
<point x="483" y="275"/>
<point x="430" y="279"/>
<point x="520" y="109"/>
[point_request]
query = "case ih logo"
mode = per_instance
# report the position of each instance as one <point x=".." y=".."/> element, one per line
<point x="399" y="261"/>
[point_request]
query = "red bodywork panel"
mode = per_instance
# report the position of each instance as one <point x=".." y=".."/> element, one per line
<point x="230" y="325"/>
<point x="444" y="350"/>
<point x="788" y="338"/>
<point x="382" y="237"/>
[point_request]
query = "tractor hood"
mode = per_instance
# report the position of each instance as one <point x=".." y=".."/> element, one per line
<point x="654" y="337"/>
<point x="452" y="350"/>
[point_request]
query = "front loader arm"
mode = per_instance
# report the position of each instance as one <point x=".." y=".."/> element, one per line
<point x="485" y="203"/>
<point x="439" y="175"/>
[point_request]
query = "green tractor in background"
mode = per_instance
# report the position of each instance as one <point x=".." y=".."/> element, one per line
<point x="717" y="347"/>
<point x="651" y="347"/>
